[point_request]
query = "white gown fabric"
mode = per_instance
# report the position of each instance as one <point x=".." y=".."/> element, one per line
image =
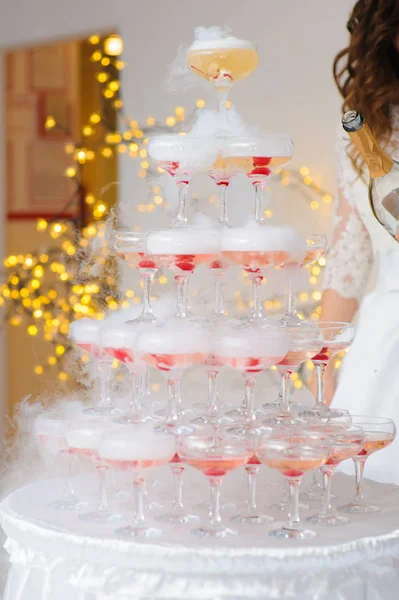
<point x="369" y="382"/>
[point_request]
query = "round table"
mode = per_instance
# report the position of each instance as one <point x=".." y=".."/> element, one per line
<point x="56" y="556"/>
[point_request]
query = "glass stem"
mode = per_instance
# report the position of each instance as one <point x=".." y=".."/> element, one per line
<point x="182" y="282"/>
<point x="293" y="515"/>
<point x="223" y="187"/>
<point x="181" y="217"/>
<point x="291" y="301"/>
<point x="102" y="505"/>
<point x="219" y="285"/>
<point x="256" y="298"/>
<point x="320" y="377"/>
<point x="326" y="508"/>
<point x="252" y="472"/>
<point x="147" y="279"/>
<point x="177" y="472"/>
<point x="138" y="489"/>
<point x="68" y="491"/>
<point x="105" y="375"/>
<point x="250" y="395"/>
<point x="135" y="403"/>
<point x="258" y="186"/>
<point x="146" y="382"/>
<point x="214" y="515"/>
<point x="173" y="399"/>
<point x="212" y="394"/>
<point x="285" y="391"/>
<point x="223" y="93"/>
<point x="359" y="461"/>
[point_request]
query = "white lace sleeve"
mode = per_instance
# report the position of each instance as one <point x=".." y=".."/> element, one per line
<point x="351" y="255"/>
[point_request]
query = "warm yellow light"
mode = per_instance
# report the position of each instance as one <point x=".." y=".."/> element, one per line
<point x="60" y="350"/>
<point x="105" y="61"/>
<point x="316" y="295"/>
<point x="35" y="284"/>
<point x="327" y="198"/>
<point x="158" y="200"/>
<point x="119" y="64"/>
<point x="41" y="225"/>
<point x="285" y="180"/>
<point x="313" y="280"/>
<point x="94" y="39"/>
<point x="113" y="45"/>
<point x="108" y="93"/>
<point x="179" y="110"/>
<point x="96" y="56"/>
<point x="102" y="77"/>
<point x="314" y="205"/>
<point x="114" y="85"/>
<point x="150" y="121"/>
<point x="303" y="296"/>
<point x="118" y="103"/>
<point x="316" y="270"/>
<point x="63" y="376"/>
<point x="144" y="164"/>
<point x="122" y="149"/>
<point x="304" y="171"/>
<point x="70" y="171"/>
<point x="52" y="360"/>
<point x="133" y="147"/>
<point x="200" y="103"/>
<point x="15" y="320"/>
<point x="87" y="130"/>
<point x="43" y="258"/>
<point x="64" y="276"/>
<point x="170" y="121"/>
<point x="298" y="384"/>
<point x="307" y="180"/>
<point x="38" y="313"/>
<point x="15" y="280"/>
<point x="32" y="330"/>
<point x="95" y="118"/>
<point x="49" y="122"/>
<point x="38" y="370"/>
<point x="106" y="152"/>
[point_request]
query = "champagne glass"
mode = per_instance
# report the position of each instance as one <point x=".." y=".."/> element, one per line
<point x="86" y="335"/>
<point x="181" y="251"/>
<point x="215" y="456"/>
<point x="250" y="351"/>
<point x="379" y="432"/>
<point x="222" y="61"/>
<point x="182" y="156"/>
<point x="258" y="249"/>
<point x="119" y="341"/>
<point x="303" y="344"/>
<point x="316" y="247"/>
<point x="83" y="439"/>
<point x="172" y="346"/>
<point x="294" y="452"/>
<point x="218" y="268"/>
<point x="131" y="247"/>
<point x="137" y="448"/>
<point x="257" y="157"/>
<point x="336" y="337"/>
<point x="51" y="430"/>
<point x="346" y="442"/>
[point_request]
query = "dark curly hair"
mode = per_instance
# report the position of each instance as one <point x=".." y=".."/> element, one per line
<point x="367" y="71"/>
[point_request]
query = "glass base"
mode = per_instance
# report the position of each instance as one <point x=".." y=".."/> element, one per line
<point x="293" y="534"/>
<point x="322" y="411"/>
<point x="177" y="518"/>
<point x="98" y="516"/>
<point x="130" y="419"/>
<point x="70" y="503"/>
<point x="357" y="508"/>
<point x="292" y="320"/>
<point x="329" y="520"/>
<point x="147" y="317"/>
<point x="103" y="411"/>
<point x="176" y="428"/>
<point x="285" y="507"/>
<point x="134" y="531"/>
<point x="215" y="531"/>
<point x="254" y="519"/>
<point x="227" y="507"/>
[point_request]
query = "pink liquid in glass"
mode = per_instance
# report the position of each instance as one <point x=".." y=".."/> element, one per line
<point x="254" y="460"/>
<point x="376" y="440"/>
<point x="328" y="352"/>
<point x="176" y="459"/>
<point x="170" y="362"/>
<point x="183" y="263"/>
<point x="92" y="349"/>
<point x="249" y="364"/>
<point x="139" y="260"/>
<point x="295" y="357"/>
<point x="293" y="466"/>
<point x="91" y="453"/>
<point x="122" y="354"/>
<point x="255" y="261"/>
<point x="216" y="467"/>
<point x="135" y="464"/>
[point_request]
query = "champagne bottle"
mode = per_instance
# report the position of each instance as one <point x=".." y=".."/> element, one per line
<point x="383" y="170"/>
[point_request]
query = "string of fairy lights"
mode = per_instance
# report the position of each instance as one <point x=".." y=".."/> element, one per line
<point x="74" y="277"/>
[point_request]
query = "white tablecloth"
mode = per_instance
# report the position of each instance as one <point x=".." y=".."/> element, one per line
<point x="54" y="556"/>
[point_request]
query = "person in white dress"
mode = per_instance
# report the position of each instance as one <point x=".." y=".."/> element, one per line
<point x="367" y="75"/>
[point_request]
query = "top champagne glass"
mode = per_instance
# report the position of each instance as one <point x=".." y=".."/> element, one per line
<point x="222" y="61"/>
